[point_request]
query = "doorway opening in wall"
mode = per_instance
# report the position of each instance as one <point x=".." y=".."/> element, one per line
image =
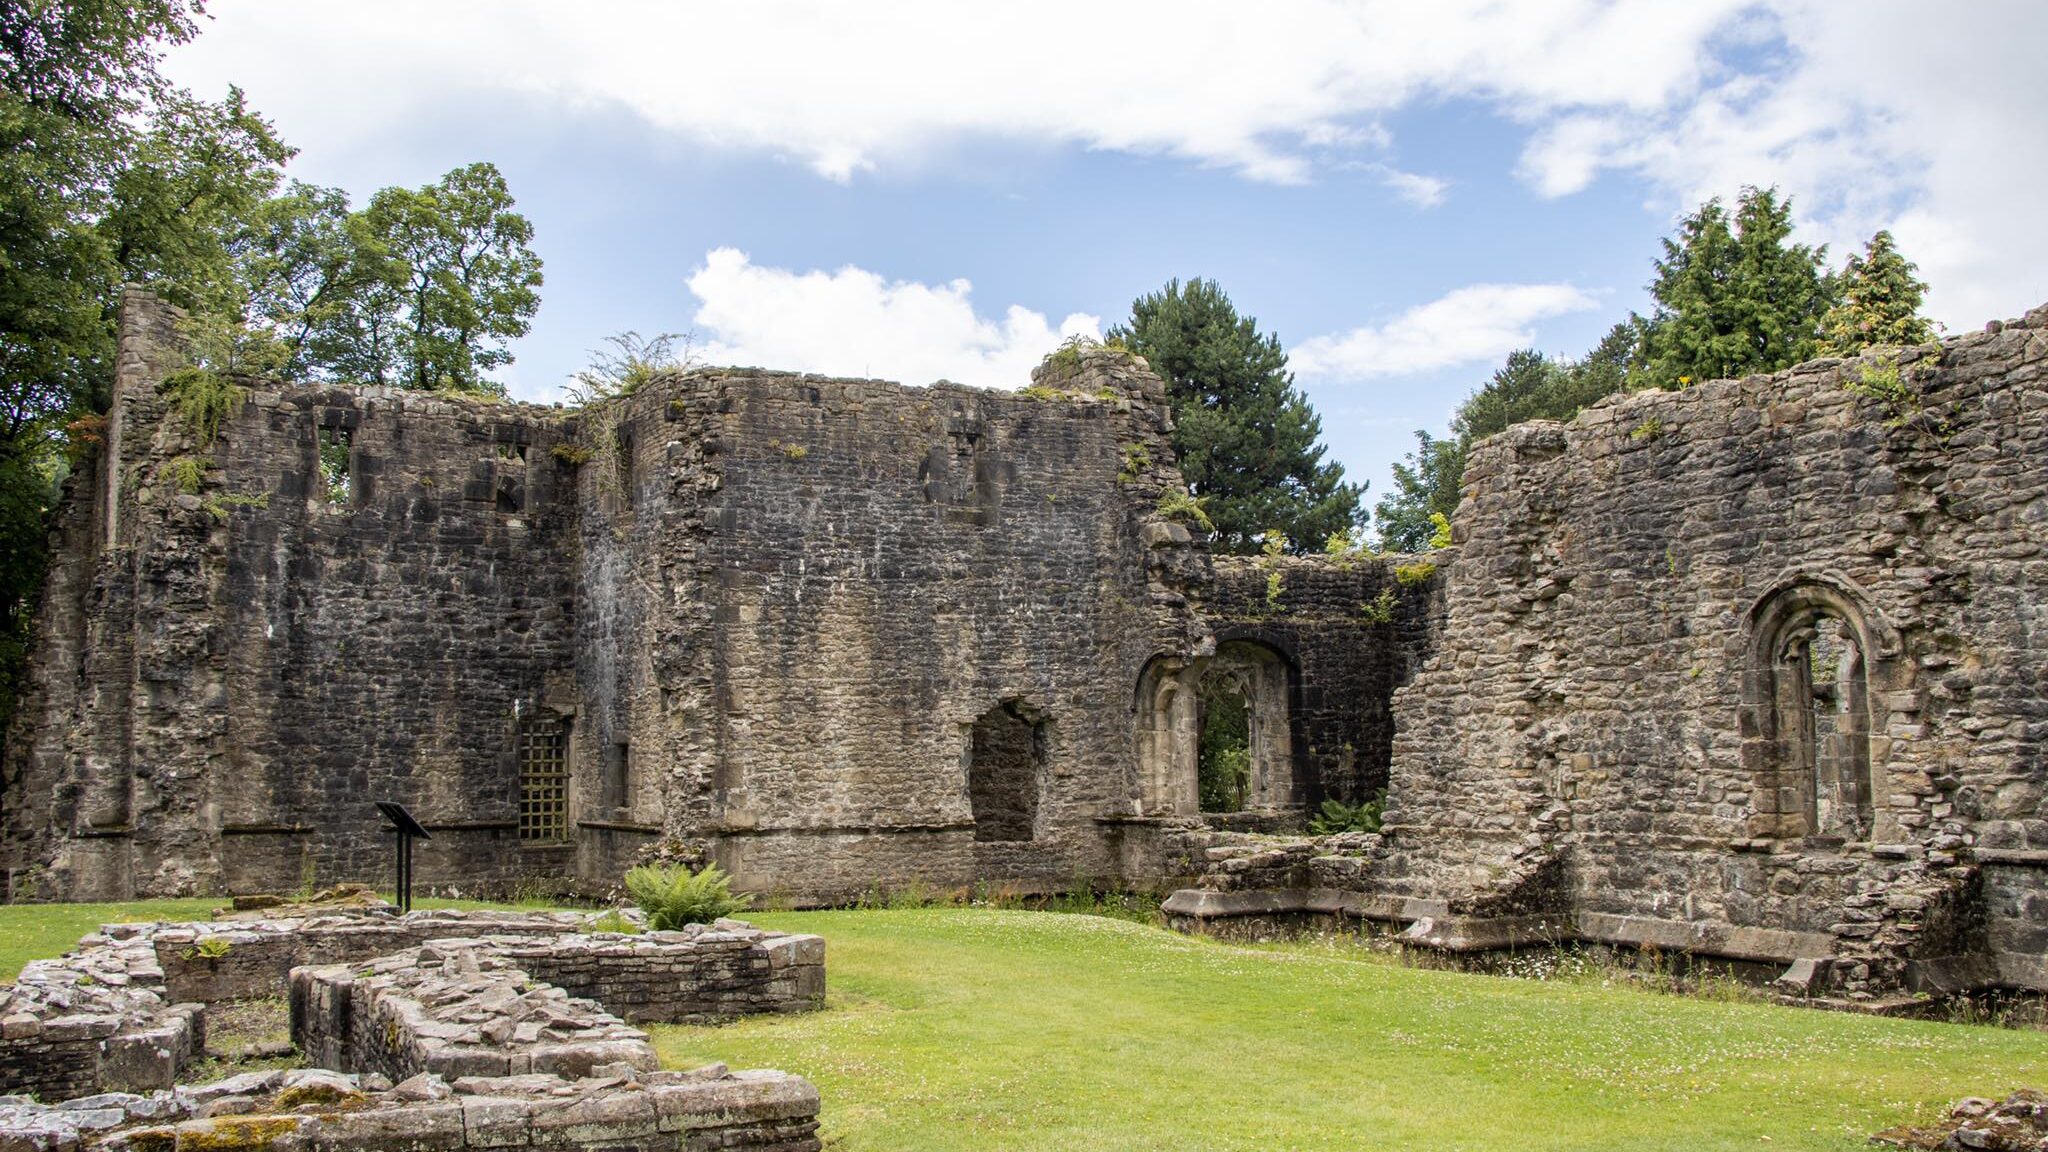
<point x="1223" y="774"/>
<point x="1006" y="772"/>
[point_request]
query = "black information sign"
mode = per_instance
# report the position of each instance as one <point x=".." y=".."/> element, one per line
<point x="408" y="830"/>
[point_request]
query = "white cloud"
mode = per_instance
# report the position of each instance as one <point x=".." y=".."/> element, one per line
<point x="1471" y="324"/>
<point x="1417" y="189"/>
<point x="854" y="323"/>
<point x="844" y="88"/>
<point x="1875" y="114"/>
<point x="1877" y="117"/>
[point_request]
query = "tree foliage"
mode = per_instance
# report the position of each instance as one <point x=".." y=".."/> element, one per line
<point x="1735" y="295"/>
<point x="1425" y="485"/>
<point x="110" y="175"/>
<point x="1879" y="301"/>
<point x="1245" y="437"/>
<point x="463" y="264"/>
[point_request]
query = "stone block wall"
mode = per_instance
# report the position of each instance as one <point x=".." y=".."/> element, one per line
<point x="1609" y="722"/>
<point x="228" y="676"/>
<point x="694" y="976"/>
<point x="454" y="1008"/>
<point x="1351" y="628"/>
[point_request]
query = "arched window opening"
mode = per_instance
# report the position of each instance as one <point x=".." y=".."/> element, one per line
<point x="1822" y="662"/>
<point x="1215" y="733"/>
<point x="1824" y="726"/>
<point x="1006" y="772"/>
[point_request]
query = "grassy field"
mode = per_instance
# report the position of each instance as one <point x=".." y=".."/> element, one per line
<point x="982" y="1029"/>
<point x="964" y="1028"/>
<point x="38" y="931"/>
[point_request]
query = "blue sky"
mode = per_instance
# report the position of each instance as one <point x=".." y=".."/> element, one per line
<point x="1402" y="192"/>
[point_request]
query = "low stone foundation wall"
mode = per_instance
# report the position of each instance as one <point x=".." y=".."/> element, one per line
<point x="95" y="1020"/>
<point x="124" y="1011"/>
<point x="455" y="1008"/>
<point x="253" y="958"/>
<point x="693" y="976"/>
<point x="706" y="1110"/>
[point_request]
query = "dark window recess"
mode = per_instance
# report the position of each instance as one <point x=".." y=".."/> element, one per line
<point x="543" y="779"/>
<point x="1006" y="773"/>
<point x="510" y="499"/>
<point x="627" y="478"/>
<point x="618" y="767"/>
<point x="335" y="481"/>
<point x="515" y="450"/>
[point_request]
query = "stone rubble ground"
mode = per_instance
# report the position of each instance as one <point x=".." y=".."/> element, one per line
<point x="2019" y="1123"/>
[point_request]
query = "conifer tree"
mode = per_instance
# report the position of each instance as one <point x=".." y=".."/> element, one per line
<point x="1246" y="439"/>
<point x="1880" y="301"/>
<point x="1734" y="296"/>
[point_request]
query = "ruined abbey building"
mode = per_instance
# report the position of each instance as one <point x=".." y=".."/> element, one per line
<point x="1752" y="670"/>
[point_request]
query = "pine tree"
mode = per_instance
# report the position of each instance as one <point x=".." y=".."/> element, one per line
<point x="1246" y="439"/>
<point x="1735" y="296"/>
<point x="1880" y="301"/>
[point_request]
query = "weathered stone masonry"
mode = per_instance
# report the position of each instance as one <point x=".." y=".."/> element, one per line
<point x="1752" y="670"/>
<point x="771" y="616"/>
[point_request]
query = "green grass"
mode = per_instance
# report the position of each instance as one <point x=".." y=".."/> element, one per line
<point x="982" y="1029"/>
<point x="40" y="931"/>
<point x="991" y="1029"/>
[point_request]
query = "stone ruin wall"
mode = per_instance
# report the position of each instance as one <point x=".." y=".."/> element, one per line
<point x="1350" y="629"/>
<point x="225" y="679"/>
<point x="1599" y="740"/>
<point x="771" y="617"/>
<point x="812" y="595"/>
<point x="455" y="1040"/>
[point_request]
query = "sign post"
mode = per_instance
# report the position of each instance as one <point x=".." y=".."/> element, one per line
<point x="408" y="830"/>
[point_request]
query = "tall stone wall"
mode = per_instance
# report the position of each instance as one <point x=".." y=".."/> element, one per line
<point x="228" y="675"/>
<point x="1623" y="723"/>
<point x="754" y="615"/>
<point x="810" y="590"/>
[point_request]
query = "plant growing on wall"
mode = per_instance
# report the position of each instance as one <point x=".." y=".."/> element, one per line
<point x="1337" y="816"/>
<point x="672" y="895"/>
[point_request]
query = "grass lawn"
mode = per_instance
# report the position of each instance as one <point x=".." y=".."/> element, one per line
<point x="40" y="931"/>
<point x="988" y="1030"/>
<point x="983" y="1029"/>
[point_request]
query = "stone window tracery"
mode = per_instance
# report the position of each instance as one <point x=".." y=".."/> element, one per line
<point x="1819" y="661"/>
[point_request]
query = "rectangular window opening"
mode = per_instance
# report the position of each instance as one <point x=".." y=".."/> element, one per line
<point x="336" y="483"/>
<point x="625" y="466"/>
<point x="617" y="775"/>
<point x="543" y="780"/>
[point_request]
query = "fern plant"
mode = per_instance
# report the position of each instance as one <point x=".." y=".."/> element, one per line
<point x="673" y="896"/>
<point x="1338" y="816"/>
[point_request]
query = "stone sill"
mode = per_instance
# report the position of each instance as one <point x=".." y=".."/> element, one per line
<point x="620" y="826"/>
<point x="2017" y="857"/>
